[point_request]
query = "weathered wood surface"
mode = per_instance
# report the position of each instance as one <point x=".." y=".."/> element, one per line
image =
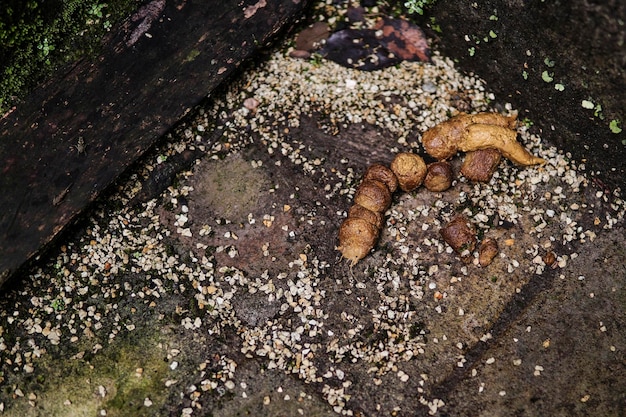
<point x="162" y="61"/>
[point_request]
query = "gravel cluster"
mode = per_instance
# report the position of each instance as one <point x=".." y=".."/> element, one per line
<point x="159" y="258"/>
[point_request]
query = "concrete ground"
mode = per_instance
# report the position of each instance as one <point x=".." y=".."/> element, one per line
<point x="223" y="294"/>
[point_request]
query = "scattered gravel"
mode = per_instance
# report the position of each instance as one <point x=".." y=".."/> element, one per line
<point x="260" y="281"/>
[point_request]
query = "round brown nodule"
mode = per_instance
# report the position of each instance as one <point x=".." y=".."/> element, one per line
<point x="487" y="251"/>
<point x="410" y="169"/>
<point x="373" y="195"/>
<point x="383" y="174"/>
<point x="481" y="164"/>
<point x="438" y="176"/>
<point x="374" y="218"/>
<point x="461" y="236"/>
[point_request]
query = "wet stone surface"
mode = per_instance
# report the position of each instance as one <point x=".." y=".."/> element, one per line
<point x="561" y="353"/>
<point x="225" y="294"/>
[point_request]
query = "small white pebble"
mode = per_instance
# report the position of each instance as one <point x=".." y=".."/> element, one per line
<point x="403" y="376"/>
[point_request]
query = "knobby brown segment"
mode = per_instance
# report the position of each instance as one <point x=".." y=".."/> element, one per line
<point x="486" y="137"/>
<point x="467" y="133"/>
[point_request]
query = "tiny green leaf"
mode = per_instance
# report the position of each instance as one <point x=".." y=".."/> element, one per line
<point x="493" y="34"/>
<point x="587" y="104"/>
<point x="614" y="126"/>
<point x="525" y="74"/>
<point x="548" y="62"/>
<point x="547" y="77"/>
<point x="559" y="87"/>
<point x="471" y="51"/>
<point x="597" y="111"/>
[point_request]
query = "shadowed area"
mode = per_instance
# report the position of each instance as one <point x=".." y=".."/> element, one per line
<point x="74" y="135"/>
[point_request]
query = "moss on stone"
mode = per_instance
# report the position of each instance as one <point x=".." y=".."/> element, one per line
<point x="37" y="37"/>
<point x="118" y="379"/>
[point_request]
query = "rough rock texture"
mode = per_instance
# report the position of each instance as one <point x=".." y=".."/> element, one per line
<point x="580" y="46"/>
<point x="80" y="130"/>
<point x="185" y="302"/>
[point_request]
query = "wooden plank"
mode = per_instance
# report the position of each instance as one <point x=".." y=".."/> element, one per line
<point x="77" y="133"/>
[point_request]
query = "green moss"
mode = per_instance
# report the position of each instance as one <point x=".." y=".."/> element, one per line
<point x="38" y="37"/>
<point x="75" y="387"/>
<point x="193" y="54"/>
<point x="418" y="6"/>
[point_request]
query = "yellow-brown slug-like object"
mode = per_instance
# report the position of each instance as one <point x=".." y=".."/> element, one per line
<point x="356" y="238"/>
<point x="359" y="231"/>
<point x="478" y="131"/>
<point x="481" y="136"/>
<point x="441" y="141"/>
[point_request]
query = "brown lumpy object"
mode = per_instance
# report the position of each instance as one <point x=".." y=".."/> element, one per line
<point x="439" y="176"/>
<point x="494" y="119"/>
<point x="359" y="232"/>
<point x="383" y="174"/>
<point x="461" y="236"/>
<point x="356" y="238"/>
<point x="477" y="131"/>
<point x="410" y="169"/>
<point x="550" y="260"/>
<point x="482" y="136"/>
<point x="441" y="141"/>
<point x="481" y="164"/>
<point x="487" y="251"/>
<point x="375" y="218"/>
<point x="373" y="195"/>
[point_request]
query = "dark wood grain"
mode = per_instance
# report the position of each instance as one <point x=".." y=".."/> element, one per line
<point x="161" y="62"/>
